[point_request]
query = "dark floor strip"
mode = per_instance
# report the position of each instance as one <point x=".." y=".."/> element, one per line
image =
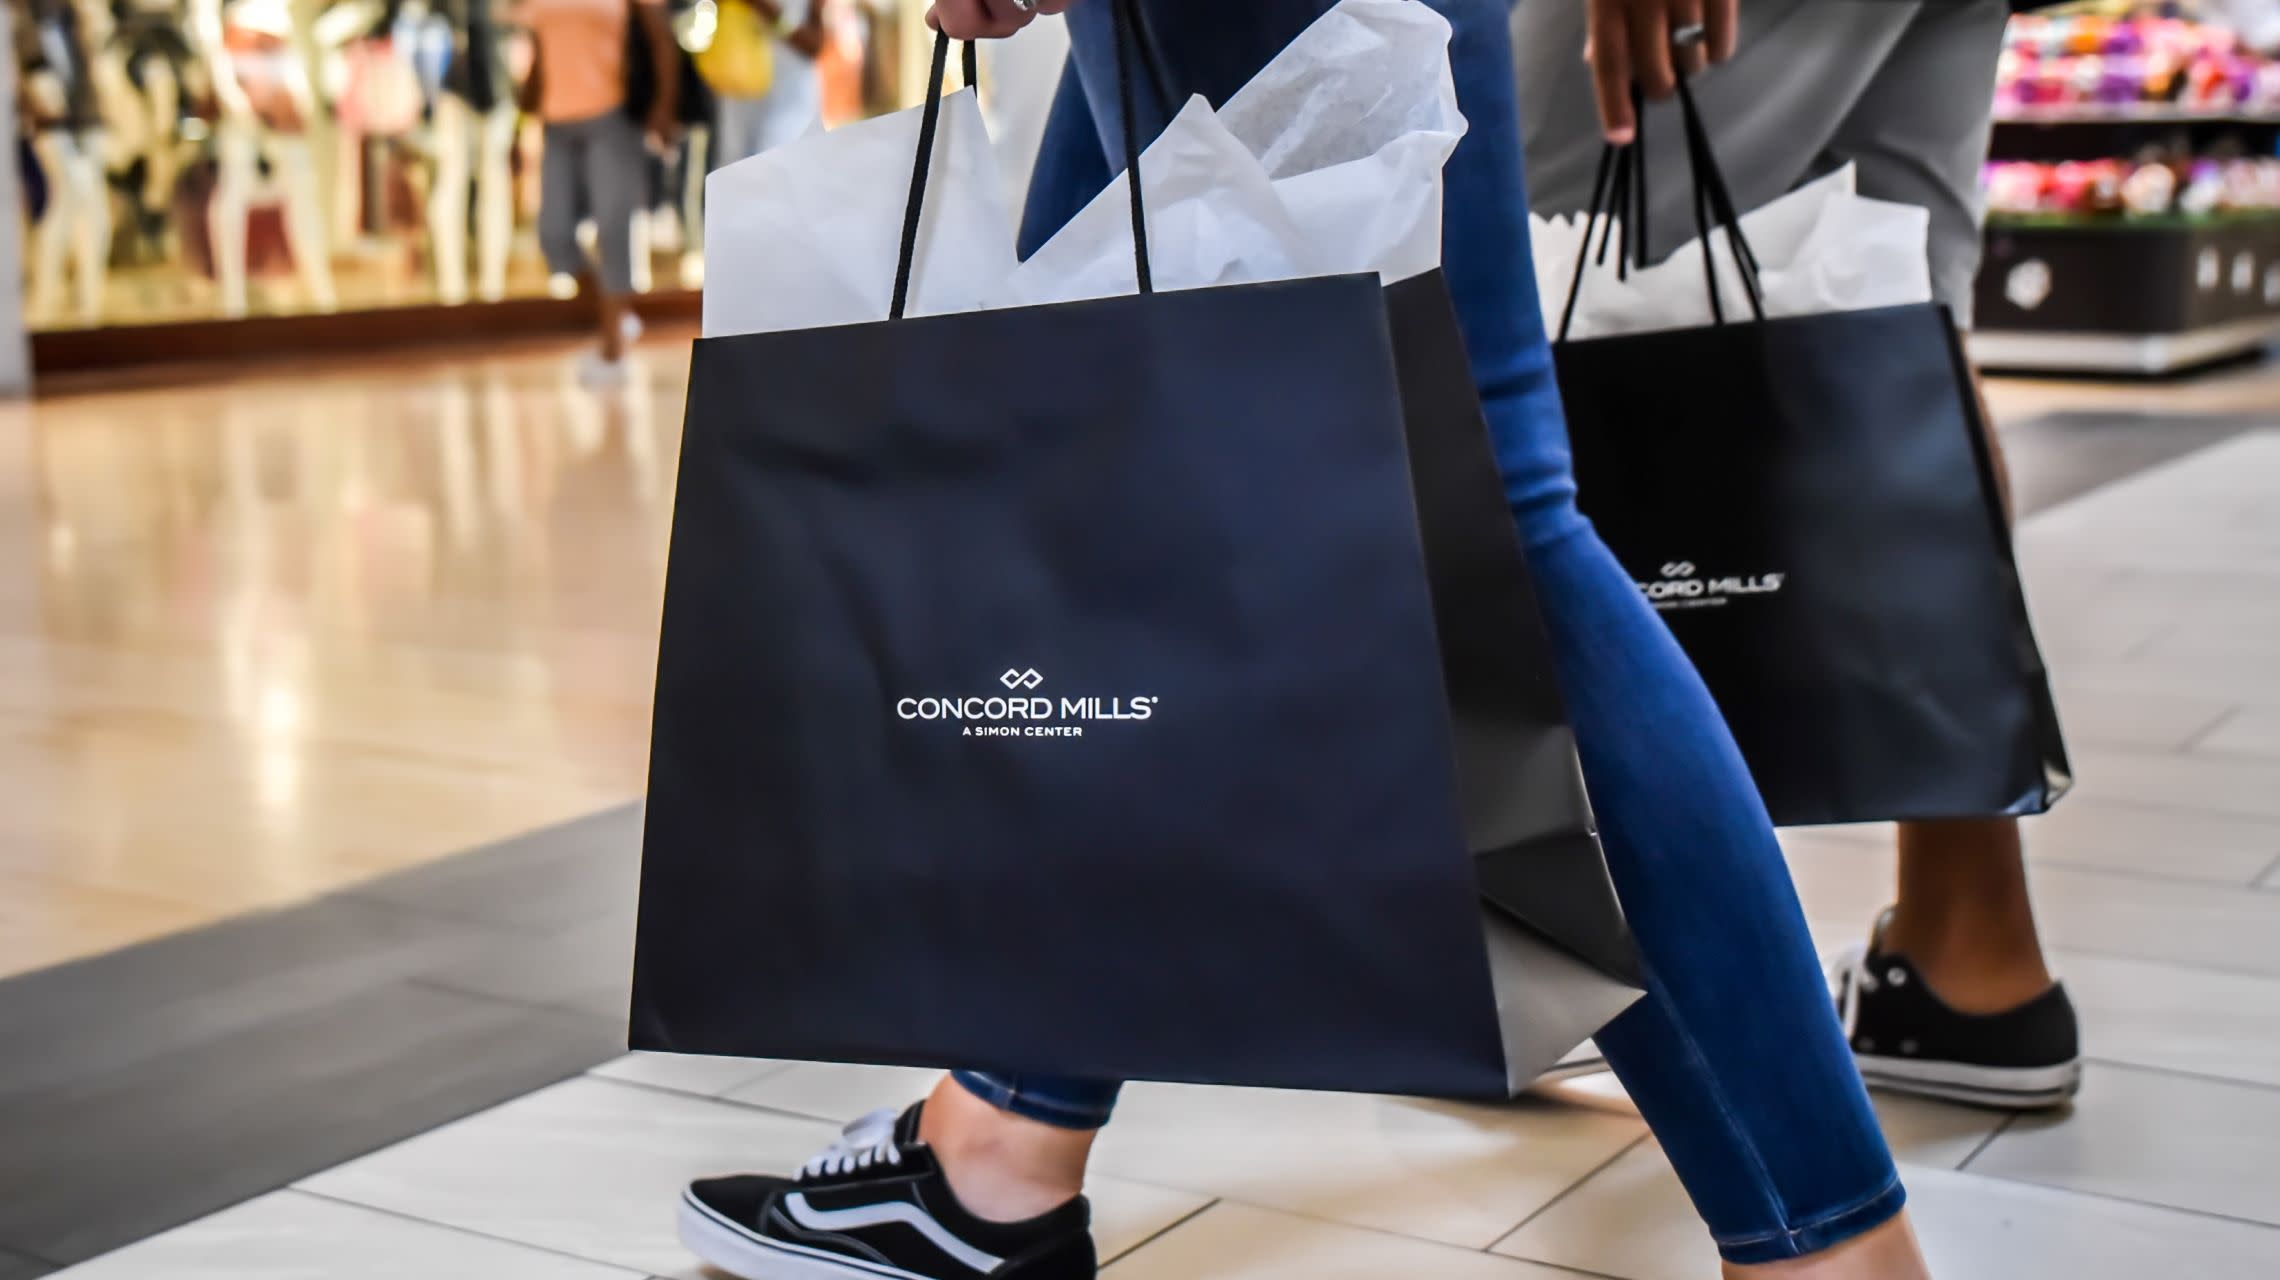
<point x="2057" y="457"/>
<point x="148" y="1087"/>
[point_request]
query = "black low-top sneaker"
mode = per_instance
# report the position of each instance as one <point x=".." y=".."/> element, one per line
<point x="875" y="1205"/>
<point x="1908" y="1040"/>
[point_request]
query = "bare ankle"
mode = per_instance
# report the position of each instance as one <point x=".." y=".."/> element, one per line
<point x="1973" y="967"/>
<point x="1887" y="1252"/>
<point x="1002" y="1167"/>
<point x="1965" y="917"/>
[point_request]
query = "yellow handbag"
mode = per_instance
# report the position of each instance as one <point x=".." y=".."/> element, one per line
<point x="739" y="60"/>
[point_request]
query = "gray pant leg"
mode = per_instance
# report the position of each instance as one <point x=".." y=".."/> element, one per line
<point x="1918" y="133"/>
<point x="561" y="182"/>
<point x="617" y="184"/>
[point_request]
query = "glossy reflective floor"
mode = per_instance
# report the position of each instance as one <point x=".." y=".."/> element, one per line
<point x="264" y="637"/>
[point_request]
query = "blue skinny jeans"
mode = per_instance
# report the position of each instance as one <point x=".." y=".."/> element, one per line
<point x="1734" y="1056"/>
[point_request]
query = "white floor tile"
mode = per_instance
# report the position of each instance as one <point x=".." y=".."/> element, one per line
<point x="2170" y="1140"/>
<point x="1455" y="1174"/>
<point x="1240" y="1242"/>
<point x="2173" y="921"/>
<point x="836" y="1091"/>
<point x="2084" y="831"/>
<point x="2106" y="835"/>
<point x="2242" y="680"/>
<point x="594" y="1169"/>
<point x="1978" y="1228"/>
<point x="2143" y="721"/>
<point x="290" y="1236"/>
<point x="1925" y="1131"/>
<point x="688" y="1073"/>
<point x="586" y="1167"/>
<point x="2252" y="731"/>
<point x="2142" y="1013"/>
<point x="2201" y="783"/>
<point x="1921" y="1130"/>
<point x="1632" y="1221"/>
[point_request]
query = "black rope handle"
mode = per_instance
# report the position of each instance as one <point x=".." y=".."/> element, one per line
<point x="930" y="125"/>
<point x="1619" y="196"/>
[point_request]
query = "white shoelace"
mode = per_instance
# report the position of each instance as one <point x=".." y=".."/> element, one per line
<point x="864" y="1144"/>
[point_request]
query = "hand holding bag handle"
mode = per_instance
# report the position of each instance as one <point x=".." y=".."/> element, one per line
<point x="930" y="124"/>
<point x="1619" y="194"/>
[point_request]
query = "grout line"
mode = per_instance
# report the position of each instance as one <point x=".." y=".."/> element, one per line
<point x="2193" y="740"/>
<point x="671" y="1092"/>
<point x="2270" y="879"/>
<point x="1158" y="1234"/>
<point x="2178" y="1073"/>
<point x="1425" y="1241"/>
<point x="2208" y="1215"/>
<point x="469" y="1232"/>
<point x="2134" y="957"/>
<point x="1570" y="1189"/>
<point x="2058" y="862"/>
<point x="1988" y="1141"/>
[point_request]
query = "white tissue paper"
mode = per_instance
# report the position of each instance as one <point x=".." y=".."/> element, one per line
<point x="806" y="234"/>
<point x="1821" y="248"/>
<point x="1328" y="162"/>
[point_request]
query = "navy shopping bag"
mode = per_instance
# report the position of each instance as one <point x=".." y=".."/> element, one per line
<point x="1810" y="503"/>
<point x="1146" y="687"/>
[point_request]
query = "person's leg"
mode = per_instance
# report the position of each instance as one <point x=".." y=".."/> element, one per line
<point x="1963" y="922"/>
<point x="1735" y="1055"/>
<point x="1904" y="92"/>
<point x="561" y="177"/>
<point x="618" y="184"/>
<point x="1918" y="135"/>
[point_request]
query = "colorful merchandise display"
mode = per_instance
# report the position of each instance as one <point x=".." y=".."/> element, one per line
<point x="2148" y="61"/>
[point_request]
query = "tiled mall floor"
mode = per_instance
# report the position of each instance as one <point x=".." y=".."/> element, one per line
<point x="2158" y="599"/>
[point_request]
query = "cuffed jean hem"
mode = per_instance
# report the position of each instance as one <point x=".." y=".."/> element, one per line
<point x="1007" y="1093"/>
<point x="1814" y="1237"/>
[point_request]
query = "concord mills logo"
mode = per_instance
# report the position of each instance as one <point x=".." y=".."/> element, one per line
<point x="1021" y="716"/>
<point x="1682" y="586"/>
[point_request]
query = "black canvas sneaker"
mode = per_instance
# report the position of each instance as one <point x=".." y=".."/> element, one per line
<point x="1908" y="1040"/>
<point x="875" y="1205"/>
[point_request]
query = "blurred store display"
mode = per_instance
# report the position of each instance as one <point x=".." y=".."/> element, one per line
<point x="2133" y="187"/>
<point x="198" y="160"/>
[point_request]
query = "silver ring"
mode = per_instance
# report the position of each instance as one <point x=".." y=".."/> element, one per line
<point x="1026" y="6"/>
<point x="1690" y="34"/>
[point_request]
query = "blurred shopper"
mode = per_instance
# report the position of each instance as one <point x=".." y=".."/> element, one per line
<point x="596" y="166"/>
<point x="1734" y="1054"/>
<point x="1950" y="996"/>
<point x="792" y="104"/>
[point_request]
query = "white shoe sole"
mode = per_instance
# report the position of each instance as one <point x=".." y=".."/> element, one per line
<point x="2003" y="1088"/>
<point x="739" y="1252"/>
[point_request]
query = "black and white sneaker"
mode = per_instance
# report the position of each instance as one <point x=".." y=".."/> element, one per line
<point x="875" y="1205"/>
<point x="1908" y="1040"/>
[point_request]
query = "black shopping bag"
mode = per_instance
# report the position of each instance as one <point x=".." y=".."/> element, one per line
<point x="1063" y="690"/>
<point x="1810" y="504"/>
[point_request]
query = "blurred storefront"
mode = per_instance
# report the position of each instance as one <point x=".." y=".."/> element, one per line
<point x="2133" y="188"/>
<point x="195" y="172"/>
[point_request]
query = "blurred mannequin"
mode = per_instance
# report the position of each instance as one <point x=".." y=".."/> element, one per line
<point x="474" y="147"/>
<point x="261" y="85"/>
<point x="793" y="103"/>
<point x="160" y="74"/>
<point x="66" y="125"/>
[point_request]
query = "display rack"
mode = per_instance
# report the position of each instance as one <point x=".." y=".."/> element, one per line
<point x="2113" y="293"/>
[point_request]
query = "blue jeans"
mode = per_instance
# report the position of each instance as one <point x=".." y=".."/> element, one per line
<point x="1734" y="1056"/>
